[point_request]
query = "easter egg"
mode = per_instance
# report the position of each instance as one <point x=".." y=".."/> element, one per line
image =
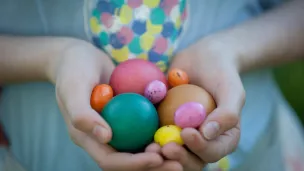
<point x="177" y="77"/>
<point x="190" y="115"/>
<point x="132" y="76"/>
<point x="133" y="120"/>
<point x="100" y="96"/>
<point x="168" y="134"/>
<point x="156" y="91"/>
<point x="180" y="95"/>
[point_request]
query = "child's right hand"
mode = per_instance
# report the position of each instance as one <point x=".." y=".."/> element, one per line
<point x="76" y="72"/>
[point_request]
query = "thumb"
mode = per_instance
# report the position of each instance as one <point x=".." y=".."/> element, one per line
<point x="230" y="99"/>
<point x="218" y="122"/>
<point x="77" y="104"/>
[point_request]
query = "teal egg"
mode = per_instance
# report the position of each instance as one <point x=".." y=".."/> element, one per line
<point x="133" y="119"/>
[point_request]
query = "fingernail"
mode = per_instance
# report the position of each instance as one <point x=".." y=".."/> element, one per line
<point x="211" y="130"/>
<point x="101" y="133"/>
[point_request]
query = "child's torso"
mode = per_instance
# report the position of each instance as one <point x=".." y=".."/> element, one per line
<point x="127" y="28"/>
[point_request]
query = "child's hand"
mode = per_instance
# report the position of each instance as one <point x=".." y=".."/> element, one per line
<point x="179" y="159"/>
<point x="214" y="67"/>
<point x="77" y="71"/>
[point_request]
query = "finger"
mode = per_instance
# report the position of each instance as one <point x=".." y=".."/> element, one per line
<point x="153" y="148"/>
<point x="75" y="95"/>
<point x="218" y="122"/>
<point x="214" y="150"/>
<point x="230" y="98"/>
<point x="178" y="153"/>
<point x="194" y="141"/>
<point x="168" y="165"/>
<point x="108" y="159"/>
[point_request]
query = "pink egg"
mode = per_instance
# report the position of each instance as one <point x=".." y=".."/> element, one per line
<point x="156" y="91"/>
<point x="133" y="75"/>
<point x="190" y="115"/>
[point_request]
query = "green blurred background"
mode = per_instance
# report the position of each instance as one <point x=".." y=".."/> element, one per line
<point x="290" y="78"/>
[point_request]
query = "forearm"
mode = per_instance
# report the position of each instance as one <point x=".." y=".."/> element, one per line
<point x="273" y="38"/>
<point x="29" y="58"/>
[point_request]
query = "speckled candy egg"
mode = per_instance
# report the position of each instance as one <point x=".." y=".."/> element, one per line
<point x="100" y="96"/>
<point x="190" y="115"/>
<point x="156" y="91"/>
<point x="132" y="76"/>
<point x="177" y="77"/>
<point x="133" y="119"/>
<point x="180" y="95"/>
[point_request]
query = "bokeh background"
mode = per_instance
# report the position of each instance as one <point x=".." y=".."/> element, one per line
<point x="290" y="78"/>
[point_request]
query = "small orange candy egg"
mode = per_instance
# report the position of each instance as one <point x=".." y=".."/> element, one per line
<point x="100" y="96"/>
<point x="177" y="77"/>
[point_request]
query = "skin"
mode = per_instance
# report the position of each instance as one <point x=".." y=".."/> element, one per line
<point x="72" y="66"/>
<point x="273" y="38"/>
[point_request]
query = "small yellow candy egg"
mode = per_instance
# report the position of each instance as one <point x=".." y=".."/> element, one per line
<point x="167" y="134"/>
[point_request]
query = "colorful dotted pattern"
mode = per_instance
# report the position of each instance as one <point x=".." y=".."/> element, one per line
<point x="146" y="29"/>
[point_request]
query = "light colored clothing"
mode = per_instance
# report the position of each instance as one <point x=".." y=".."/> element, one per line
<point x="32" y="120"/>
<point x="148" y="30"/>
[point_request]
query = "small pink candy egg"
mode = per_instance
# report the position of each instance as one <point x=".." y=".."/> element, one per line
<point x="156" y="91"/>
<point x="190" y="115"/>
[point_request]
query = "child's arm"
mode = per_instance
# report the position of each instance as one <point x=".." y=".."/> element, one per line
<point x="74" y="67"/>
<point x="274" y="38"/>
<point x="29" y="58"/>
<point x="214" y="63"/>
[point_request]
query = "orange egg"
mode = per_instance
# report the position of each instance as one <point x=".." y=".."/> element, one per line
<point x="177" y="77"/>
<point x="100" y="96"/>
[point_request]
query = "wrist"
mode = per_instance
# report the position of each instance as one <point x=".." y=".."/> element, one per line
<point x="245" y="54"/>
<point x="69" y="47"/>
<point x="26" y="59"/>
<point x="222" y="45"/>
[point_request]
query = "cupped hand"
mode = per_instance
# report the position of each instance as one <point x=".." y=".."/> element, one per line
<point x="76" y="72"/>
<point x="214" y="67"/>
<point x="177" y="158"/>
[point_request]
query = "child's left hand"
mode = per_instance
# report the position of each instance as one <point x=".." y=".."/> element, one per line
<point x="215" y="68"/>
